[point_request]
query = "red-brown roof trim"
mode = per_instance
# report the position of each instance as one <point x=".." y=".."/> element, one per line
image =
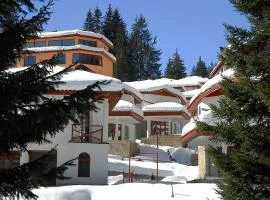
<point x="215" y="70"/>
<point x="213" y="91"/>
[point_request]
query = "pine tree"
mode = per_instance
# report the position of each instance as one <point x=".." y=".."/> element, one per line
<point x="244" y="112"/>
<point x="88" y="23"/>
<point x="175" y="68"/>
<point x="27" y="115"/>
<point x="143" y="56"/>
<point x="200" y="69"/>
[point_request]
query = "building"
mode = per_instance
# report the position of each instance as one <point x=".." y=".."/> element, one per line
<point x="87" y="141"/>
<point x="76" y="46"/>
<point x="163" y="108"/>
<point x="200" y="109"/>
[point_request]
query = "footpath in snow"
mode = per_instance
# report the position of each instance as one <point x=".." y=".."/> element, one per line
<point x="145" y="163"/>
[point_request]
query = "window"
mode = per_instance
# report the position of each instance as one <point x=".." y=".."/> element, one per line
<point x="29" y="45"/>
<point x="35" y="44"/>
<point x="29" y="60"/>
<point x="87" y="59"/>
<point x="40" y="44"/>
<point x="55" y="43"/>
<point x="88" y="43"/>
<point x="61" y="58"/>
<point x="84" y="165"/>
<point x="67" y="42"/>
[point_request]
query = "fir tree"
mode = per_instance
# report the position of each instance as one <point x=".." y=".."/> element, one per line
<point x="175" y="68"/>
<point x="88" y="23"/>
<point x="97" y="21"/>
<point x="244" y="112"/>
<point x="120" y="50"/>
<point x="143" y="56"/>
<point x="27" y="115"/>
<point x="93" y="21"/>
<point x="108" y="24"/>
<point x="211" y="67"/>
<point x="200" y="69"/>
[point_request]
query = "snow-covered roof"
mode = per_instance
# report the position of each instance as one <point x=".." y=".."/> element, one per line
<point x="71" y="32"/>
<point x="190" y="93"/>
<point x="165" y="107"/>
<point x="123" y="105"/>
<point x="80" y="79"/>
<point x="212" y="82"/>
<point x="154" y="85"/>
<point x="188" y="81"/>
<point x="132" y="89"/>
<point x="215" y="69"/>
<point x="78" y="46"/>
<point x="206" y="117"/>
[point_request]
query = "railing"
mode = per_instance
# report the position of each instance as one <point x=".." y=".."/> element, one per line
<point x="86" y="134"/>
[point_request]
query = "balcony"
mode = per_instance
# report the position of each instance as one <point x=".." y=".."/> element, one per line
<point x="86" y="134"/>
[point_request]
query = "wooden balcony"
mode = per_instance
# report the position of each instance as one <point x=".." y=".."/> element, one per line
<point x="86" y="134"/>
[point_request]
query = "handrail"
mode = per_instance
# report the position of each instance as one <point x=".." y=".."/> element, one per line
<point x="86" y="135"/>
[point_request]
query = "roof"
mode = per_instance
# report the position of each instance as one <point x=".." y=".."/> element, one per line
<point x="79" y="79"/>
<point x="189" y="81"/>
<point x="72" y="32"/>
<point x="215" y="69"/>
<point x="168" y="107"/>
<point x="125" y="106"/>
<point x="155" y="85"/>
<point x="189" y="131"/>
<point x="211" y="83"/>
<point x="190" y="93"/>
<point x="74" y="47"/>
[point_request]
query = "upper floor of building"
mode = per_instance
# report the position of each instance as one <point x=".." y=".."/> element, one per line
<point x="76" y="46"/>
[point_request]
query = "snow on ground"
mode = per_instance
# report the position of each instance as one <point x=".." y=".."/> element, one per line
<point x="113" y="180"/>
<point x="146" y="164"/>
<point x="130" y="191"/>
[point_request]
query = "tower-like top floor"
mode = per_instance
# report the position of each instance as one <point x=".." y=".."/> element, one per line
<point x="82" y="47"/>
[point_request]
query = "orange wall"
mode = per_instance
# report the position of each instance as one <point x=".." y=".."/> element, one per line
<point x="105" y="69"/>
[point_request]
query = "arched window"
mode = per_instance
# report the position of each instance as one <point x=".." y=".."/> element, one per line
<point x="84" y="165"/>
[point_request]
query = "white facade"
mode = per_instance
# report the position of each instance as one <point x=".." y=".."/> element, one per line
<point x="67" y="150"/>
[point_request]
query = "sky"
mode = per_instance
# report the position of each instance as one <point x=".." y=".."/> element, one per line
<point x="193" y="27"/>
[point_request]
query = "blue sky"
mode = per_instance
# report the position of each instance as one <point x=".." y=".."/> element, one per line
<point x="194" y="27"/>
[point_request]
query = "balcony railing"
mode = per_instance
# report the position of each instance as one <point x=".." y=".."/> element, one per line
<point x="86" y="134"/>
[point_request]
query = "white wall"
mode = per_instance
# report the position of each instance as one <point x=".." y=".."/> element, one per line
<point x="67" y="151"/>
<point x="212" y="100"/>
<point x="98" y="163"/>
